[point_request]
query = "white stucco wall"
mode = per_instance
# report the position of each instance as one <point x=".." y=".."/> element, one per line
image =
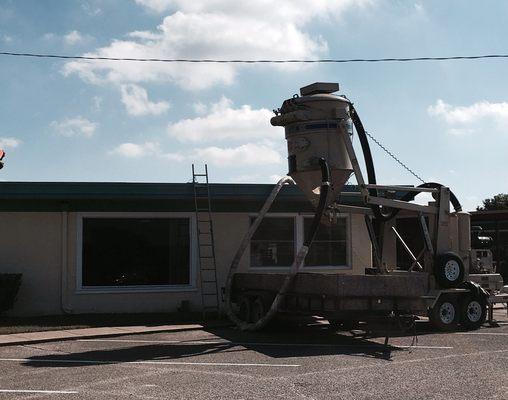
<point x="31" y="243"/>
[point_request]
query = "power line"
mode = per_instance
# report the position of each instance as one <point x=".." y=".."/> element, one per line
<point x="261" y="61"/>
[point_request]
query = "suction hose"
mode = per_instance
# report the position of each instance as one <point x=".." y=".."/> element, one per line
<point x="371" y="174"/>
<point x="297" y="263"/>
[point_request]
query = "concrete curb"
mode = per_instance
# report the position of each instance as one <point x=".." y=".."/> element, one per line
<point x="88" y="333"/>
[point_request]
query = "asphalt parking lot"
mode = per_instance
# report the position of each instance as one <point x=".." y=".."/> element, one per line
<point x="291" y="361"/>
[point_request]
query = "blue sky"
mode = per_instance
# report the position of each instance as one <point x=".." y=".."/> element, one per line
<point x="112" y="121"/>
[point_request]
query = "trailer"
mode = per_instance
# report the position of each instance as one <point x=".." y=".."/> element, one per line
<point x="321" y="158"/>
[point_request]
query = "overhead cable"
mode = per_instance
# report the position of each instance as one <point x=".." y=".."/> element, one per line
<point x="260" y="61"/>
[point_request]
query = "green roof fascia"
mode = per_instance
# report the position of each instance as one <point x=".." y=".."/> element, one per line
<point x="162" y="197"/>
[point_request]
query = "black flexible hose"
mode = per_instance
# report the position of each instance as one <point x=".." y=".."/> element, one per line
<point x="323" y="196"/>
<point x="369" y="164"/>
<point x="371" y="175"/>
<point x="433" y="185"/>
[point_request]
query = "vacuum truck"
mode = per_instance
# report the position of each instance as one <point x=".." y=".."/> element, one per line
<point x="318" y="126"/>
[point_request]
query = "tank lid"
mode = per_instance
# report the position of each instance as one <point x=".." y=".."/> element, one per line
<point x="319" y="87"/>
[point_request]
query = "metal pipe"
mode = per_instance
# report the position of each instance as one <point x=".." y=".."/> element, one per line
<point x="408" y="250"/>
<point x="403" y="188"/>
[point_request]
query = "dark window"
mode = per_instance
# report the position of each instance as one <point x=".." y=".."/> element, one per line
<point x="135" y="251"/>
<point x="273" y="243"/>
<point x="329" y="245"/>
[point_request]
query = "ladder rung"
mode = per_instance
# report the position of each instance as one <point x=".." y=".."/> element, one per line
<point x="209" y="281"/>
<point x="206" y="257"/>
<point x="208" y="269"/>
<point x="199" y="175"/>
<point x="205" y="233"/>
<point x="209" y="294"/>
<point x="204" y="220"/>
<point x="205" y="244"/>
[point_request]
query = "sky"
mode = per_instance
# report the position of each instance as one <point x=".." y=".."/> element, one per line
<point x="70" y="120"/>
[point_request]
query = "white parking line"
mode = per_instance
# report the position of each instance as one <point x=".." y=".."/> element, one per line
<point x="482" y="333"/>
<point x="225" y="342"/>
<point x="211" y="364"/>
<point x="38" y="391"/>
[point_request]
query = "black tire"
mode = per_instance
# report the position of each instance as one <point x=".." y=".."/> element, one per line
<point x="445" y="314"/>
<point x="473" y="312"/>
<point x="449" y="270"/>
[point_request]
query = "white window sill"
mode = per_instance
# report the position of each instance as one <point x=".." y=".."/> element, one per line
<point x="135" y="289"/>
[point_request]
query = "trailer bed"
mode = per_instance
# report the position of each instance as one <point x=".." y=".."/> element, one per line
<point x="329" y="293"/>
<point x="391" y="285"/>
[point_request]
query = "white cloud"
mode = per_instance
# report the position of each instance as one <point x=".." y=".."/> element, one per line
<point x="77" y="126"/>
<point x="155" y="5"/>
<point x="245" y="155"/>
<point x="423" y="198"/>
<point x="49" y="36"/>
<point x="135" y="99"/>
<point x="220" y="29"/>
<point x="6" y="39"/>
<point x="225" y="123"/>
<point x="6" y="142"/>
<point x="467" y="119"/>
<point x="200" y="108"/>
<point x="91" y="10"/>
<point x="73" y="37"/>
<point x="256" y="178"/>
<point x="133" y="150"/>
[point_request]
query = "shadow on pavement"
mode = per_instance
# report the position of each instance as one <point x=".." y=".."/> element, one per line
<point x="278" y="342"/>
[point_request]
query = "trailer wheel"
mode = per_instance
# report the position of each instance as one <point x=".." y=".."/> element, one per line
<point x="473" y="312"/>
<point x="258" y="309"/>
<point x="244" y="309"/>
<point x="449" y="270"/>
<point x="445" y="313"/>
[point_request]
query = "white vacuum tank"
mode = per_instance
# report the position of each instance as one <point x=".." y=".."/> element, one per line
<point x="312" y="122"/>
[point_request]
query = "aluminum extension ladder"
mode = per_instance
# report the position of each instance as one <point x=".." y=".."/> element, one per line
<point x="205" y="244"/>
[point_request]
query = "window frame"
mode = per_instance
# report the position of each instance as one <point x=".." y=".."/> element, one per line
<point x="298" y="243"/>
<point x="193" y="259"/>
<point x="348" y="264"/>
<point x="295" y="244"/>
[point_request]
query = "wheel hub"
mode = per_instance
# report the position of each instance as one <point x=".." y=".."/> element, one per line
<point x="447" y="313"/>
<point x="452" y="270"/>
<point x="474" y="311"/>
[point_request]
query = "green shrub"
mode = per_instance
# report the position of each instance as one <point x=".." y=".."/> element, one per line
<point x="9" y="286"/>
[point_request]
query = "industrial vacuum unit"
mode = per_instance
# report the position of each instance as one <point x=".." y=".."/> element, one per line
<point x="318" y="126"/>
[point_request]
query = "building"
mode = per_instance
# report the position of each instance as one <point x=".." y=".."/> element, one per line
<point x="131" y="247"/>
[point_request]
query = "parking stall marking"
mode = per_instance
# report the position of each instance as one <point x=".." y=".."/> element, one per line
<point x="483" y="333"/>
<point x="38" y="391"/>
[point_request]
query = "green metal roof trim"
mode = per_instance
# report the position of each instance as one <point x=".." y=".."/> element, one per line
<point x="118" y="196"/>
